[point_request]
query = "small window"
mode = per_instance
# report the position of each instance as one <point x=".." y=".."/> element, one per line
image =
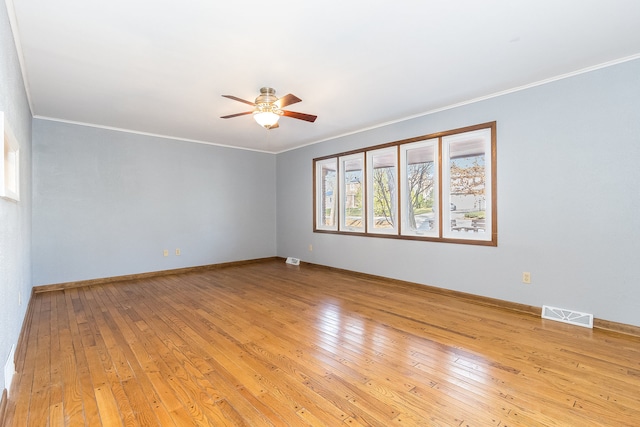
<point x="467" y="185"/>
<point x="419" y="184"/>
<point x="10" y="165"/>
<point x="352" y="193"/>
<point x="382" y="182"/>
<point x="327" y="194"/>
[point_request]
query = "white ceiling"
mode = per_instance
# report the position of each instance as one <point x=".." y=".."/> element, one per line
<point x="160" y="67"/>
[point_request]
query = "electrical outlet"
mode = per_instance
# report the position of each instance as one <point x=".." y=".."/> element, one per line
<point x="166" y="252"/>
<point x="178" y="251"/>
<point x="19" y="298"/>
<point x="310" y="248"/>
<point x="526" y="277"/>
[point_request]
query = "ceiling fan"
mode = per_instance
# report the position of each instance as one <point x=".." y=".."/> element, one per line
<point x="268" y="108"/>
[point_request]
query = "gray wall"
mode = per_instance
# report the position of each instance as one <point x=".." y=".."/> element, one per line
<point x="15" y="218"/>
<point x="568" y="200"/>
<point x="107" y="203"/>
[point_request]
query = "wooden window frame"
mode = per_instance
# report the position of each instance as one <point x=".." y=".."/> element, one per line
<point x="488" y="239"/>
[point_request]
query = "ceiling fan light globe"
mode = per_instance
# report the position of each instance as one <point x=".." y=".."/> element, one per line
<point x="266" y="119"/>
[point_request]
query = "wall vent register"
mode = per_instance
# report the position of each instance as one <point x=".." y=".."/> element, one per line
<point x="567" y="316"/>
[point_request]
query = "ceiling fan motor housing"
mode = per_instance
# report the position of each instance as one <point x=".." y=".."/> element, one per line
<point x="267" y="96"/>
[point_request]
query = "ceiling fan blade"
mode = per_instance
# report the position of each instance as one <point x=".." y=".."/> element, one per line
<point x="235" y="98"/>
<point x="300" y="116"/>
<point x="236" y="115"/>
<point x="287" y="100"/>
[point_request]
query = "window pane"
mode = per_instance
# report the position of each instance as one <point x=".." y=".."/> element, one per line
<point x="382" y="190"/>
<point x="352" y="193"/>
<point x="419" y="183"/>
<point x="326" y="193"/>
<point x="468" y="184"/>
<point x="9" y="163"/>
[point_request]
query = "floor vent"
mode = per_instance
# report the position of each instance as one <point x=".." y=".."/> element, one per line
<point x="567" y="316"/>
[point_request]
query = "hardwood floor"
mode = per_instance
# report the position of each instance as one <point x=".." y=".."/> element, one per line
<point x="271" y="344"/>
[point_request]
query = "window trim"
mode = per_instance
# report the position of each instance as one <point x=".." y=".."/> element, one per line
<point x="491" y="174"/>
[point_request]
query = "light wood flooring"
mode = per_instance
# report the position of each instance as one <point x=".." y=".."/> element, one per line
<point x="268" y="344"/>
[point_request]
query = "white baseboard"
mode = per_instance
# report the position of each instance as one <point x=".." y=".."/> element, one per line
<point x="9" y="369"/>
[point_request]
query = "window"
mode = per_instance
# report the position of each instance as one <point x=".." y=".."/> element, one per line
<point x="435" y="187"/>
<point x="10" y="165"/>
<point x="382" y="183"/>
<point x="352" y="193"/>
<point x="326" y="194"/>
<point x="419" y="183"/>
<point x="466" y="184"/>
